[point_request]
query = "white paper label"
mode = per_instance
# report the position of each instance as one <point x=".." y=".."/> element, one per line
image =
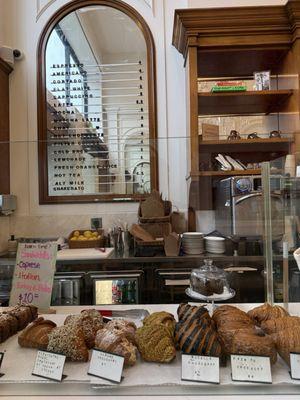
<point x="251" y="369"/>
<point x="106" y="366"/>
<point x="200" y="368"/>
<point x="49" y="365"/>
<point x="295" y="365"/>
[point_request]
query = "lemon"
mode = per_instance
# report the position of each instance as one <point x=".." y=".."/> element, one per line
<point x="73" y="238"/>
<point x="76" y="233"/>
<point x="87" y="233"/>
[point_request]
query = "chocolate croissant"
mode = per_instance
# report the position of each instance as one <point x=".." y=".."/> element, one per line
<point x="36" y="334"/>
<point x="195" y="332"/>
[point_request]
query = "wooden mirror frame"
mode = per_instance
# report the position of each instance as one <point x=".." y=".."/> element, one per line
<point x="44" y="197"/>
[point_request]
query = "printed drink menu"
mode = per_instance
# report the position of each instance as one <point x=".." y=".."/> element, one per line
<point x="33" y="275"/>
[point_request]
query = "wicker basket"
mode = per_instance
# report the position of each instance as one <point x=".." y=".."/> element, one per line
<point x="166" y="218"/>
<point x="84" y="244"/>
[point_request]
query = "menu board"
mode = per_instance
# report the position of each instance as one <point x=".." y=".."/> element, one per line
<point x="33" y="274"/>
<point x="97" y="112"/>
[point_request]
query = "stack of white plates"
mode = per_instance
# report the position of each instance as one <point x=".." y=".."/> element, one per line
<point x="193" y="243"/>
<point x="215" y="244"/>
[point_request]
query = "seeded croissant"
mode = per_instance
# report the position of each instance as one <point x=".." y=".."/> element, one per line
<point x="155" y="343"/>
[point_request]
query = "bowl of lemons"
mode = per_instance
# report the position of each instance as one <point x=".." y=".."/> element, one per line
<point x="82" y="239"/>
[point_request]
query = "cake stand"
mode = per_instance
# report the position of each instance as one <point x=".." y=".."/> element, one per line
<point x="226" y="295"/>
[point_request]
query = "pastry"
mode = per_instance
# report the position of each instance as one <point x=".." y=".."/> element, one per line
<point x="114" y="341"/>
<point x="245" y="342"/>
<point x="266" y="312"/>
<point x="195" y="332"/>
<point x="68" y="340"/>
<point x="155" y="343"/>
<point x="127" y="328"/>
<point x="96" y="317"/>
<point x="186" y="311"/>
<point x="22" y="314"/>
<point x="279" y="324"/>
<point x="16" y="319"/>
<point x="229" y="320"/>
<point x="8" y="326"/>
<point x="88" y="323"/>
<point x="287" y="341"/>
<point x="161" y="317"/>
<point x="35" y="335"/>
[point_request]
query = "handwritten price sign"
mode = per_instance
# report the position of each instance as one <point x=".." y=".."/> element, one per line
<point x="33" y="275"/>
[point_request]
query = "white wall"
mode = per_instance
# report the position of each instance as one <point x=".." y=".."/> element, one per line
<point x="22" y="22"/>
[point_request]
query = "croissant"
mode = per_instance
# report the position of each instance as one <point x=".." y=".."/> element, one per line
<point x="245" y="342"/>
<point x="229" y="321"/>
<point x="224" y="314"/>
<point x="161" y="317"/>
<point x="127" y="328"/>
<point x="69" y="340"/>
<point x="155" y="343"/>
<point x="279" y="324"/>
<point x="36" y="334"/>
<point x="266" y="312"/>
<point x="287" y="341"/>
<point x="185" y="311"/>
<point x="114" y="341"/>
<point x="195" y="332"/>
<point x="88" y="323"/>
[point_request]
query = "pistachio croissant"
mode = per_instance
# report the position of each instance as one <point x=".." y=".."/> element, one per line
<point x="161" y="317"/>
<point x="156" y="343"/>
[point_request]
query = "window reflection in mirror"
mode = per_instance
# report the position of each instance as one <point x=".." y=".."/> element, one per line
<point x="98" y="140"/>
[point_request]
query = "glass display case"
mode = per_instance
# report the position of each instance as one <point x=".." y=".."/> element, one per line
<point x="281" y="251"/>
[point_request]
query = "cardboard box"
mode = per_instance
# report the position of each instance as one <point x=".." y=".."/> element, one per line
<point x="210" y="132"/>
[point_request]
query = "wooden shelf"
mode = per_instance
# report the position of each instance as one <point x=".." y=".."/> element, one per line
<point x="238" y="142"/>
<point x="238" y="61"/>
<point x="244" y="103"/>
<point x="227" y="173"/>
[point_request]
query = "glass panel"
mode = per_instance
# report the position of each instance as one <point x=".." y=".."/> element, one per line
<point x="283" y="256"/>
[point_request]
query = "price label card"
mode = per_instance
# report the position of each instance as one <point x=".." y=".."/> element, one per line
<point x="106" y="366"/>
<point x="49" y="365"/>
<point x="251" y="368"/>
<point x="295" y="365"/>
<point x="1" y="359"/>
<point x="200" y="368"/>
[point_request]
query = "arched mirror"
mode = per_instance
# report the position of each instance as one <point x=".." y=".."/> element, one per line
<point x="96" y="104"/>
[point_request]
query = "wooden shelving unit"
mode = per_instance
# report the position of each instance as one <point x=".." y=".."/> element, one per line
<point x="242" y="103"/>
<point x="233" y="43"/>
